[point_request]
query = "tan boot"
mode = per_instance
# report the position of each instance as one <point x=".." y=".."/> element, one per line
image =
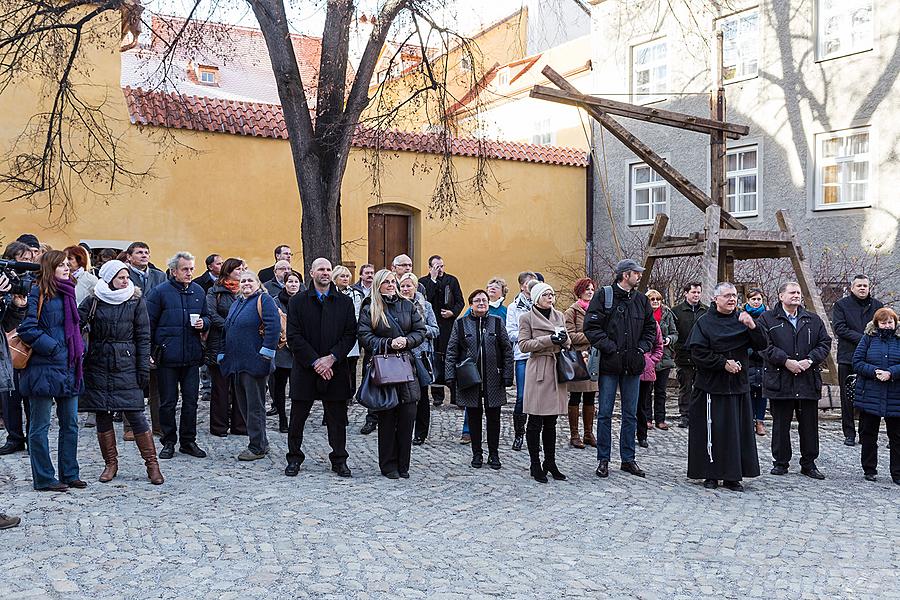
<point x="588" y="414"/>
<point x="110" y="455"/>
<point x="147" y="448"/>
<point x="574" y="438"/>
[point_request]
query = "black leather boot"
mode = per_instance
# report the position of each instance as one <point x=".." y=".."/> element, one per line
<point x="519" y="429"/>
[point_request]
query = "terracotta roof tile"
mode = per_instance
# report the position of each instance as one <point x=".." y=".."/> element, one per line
<point x="267" y="120"/>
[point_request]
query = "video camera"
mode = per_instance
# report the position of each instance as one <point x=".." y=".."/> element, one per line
<point x="19" y="275"/>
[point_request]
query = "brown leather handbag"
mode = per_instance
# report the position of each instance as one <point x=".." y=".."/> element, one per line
<point x="19" y="351"/>
<point x="390" y="368"/>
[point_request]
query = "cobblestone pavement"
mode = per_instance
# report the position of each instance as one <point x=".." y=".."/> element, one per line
<point x="222" y="529"/>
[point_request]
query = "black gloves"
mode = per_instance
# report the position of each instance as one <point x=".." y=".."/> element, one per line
<point x="559" y="338"/>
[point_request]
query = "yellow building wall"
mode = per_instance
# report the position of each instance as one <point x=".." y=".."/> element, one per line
<point x="237" y="196"/>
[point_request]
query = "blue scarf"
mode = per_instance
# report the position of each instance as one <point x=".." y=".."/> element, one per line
<point x="755" y="312"/>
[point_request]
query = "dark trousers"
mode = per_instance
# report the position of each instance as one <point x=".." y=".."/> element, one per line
<point x="541" y="428"/>
<point x="868" y="437"/>
<point x="13" y="417"/>
<point x="759" y="402"/>
<point x="659" y="396"/>
<point x="335" y="420"/>
<point x="807" y="412"/>
<point x="492" y="415"/>
<point x="223" y="407"/>
<point x="848" y="423"/>
<point x="135" y="419"/>
<point x="153" y="401"/>
<point x="576" y="398"/>
<point x="644" y="410"/>
<point x="277" y="386"/>
<point x="171" y="379"/>
<point x="352" y="361"/>
<point x="685" y="377"/>
<point x="395" y="431"/>
<point x="423" y="414"/>
<point x="437" y="393"/>
<point x="250" y="393"/>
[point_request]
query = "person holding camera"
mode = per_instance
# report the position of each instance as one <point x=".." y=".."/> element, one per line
<point x="117" y="365"/>
<point x="12" y="311"/>
<point x="542" y="333"/>
<point x="54" y="372"/>
<point x="622" y="333"/>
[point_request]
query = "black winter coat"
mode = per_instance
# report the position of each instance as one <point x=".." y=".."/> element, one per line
<point x="709" y="352"/>
<point x="376" y="337"/>
<point x="10" y="317"/>
<point x="443" y="294"/>
<point x="495" y="361"/>
<point x="218" y="303"/>
<point x="169" y="306"/>
<point x="685" y="317"/>
<point x="624" y="334"/>
<point x="810" y="340"/>
<point x="315" y="329"/>
<point x="117" y="362"/>
<point x="849" y="318"/>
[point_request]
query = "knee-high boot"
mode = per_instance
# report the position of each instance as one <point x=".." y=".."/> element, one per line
<point x="549" y="438"/>
<point x="589" y="415"/>
<point x="574" y="437"/>
<point x="147" y="448"/>
<point x="107" y="440"/>
<point x="533" y="438"/>
<point x="519" y="430"/>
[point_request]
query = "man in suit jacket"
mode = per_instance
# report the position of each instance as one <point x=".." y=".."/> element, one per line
<point x="321" y="331"/>
<point x="213" y="267"/>
<point x="445" y="295"/>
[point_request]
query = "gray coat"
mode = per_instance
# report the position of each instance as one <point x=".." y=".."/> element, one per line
<point x="495" y="361"/>
<point x="431" y="326"/>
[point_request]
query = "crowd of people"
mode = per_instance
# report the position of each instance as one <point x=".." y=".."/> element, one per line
<point x="111" y="339"/>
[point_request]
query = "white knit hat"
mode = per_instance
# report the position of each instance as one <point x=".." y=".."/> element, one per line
<point x="110" y="268"/>
<point x="538" y="290"/>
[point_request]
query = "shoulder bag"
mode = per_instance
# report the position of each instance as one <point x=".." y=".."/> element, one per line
<point x="282" y="318"/>
<point x="19" y="351"/>
<point x="467" y="373"/>
<point x="86" y="326"/>
<point x="373" y="396"/>
<point x="570" y="366"/>
<point x="390" y="368"/>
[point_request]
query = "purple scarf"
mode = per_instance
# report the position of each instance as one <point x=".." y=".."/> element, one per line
<point x="72" y="328"/>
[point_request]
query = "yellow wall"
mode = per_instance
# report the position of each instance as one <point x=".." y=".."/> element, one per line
<point x="236" y="195"/>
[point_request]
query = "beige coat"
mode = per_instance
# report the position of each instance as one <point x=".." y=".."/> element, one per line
<point x="543" y="394"/>
<point x="575" y="329"/>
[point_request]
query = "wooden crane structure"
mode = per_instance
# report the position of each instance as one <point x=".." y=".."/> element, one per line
<point x="724" y="238"/>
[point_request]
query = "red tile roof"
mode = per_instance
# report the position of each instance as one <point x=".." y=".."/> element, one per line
<point x="267" y="120"/>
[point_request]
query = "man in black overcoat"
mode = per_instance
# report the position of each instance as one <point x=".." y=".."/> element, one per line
<point x="721" y="438"/>
<point x="443" y="292"/>
<point x="321" y="331"/>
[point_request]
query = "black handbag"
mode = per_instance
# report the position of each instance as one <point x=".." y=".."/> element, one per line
<point x="467" y="374"/>
<point x="376" y="397"/>
<point x="86" y="326"/>
<point x="424" y="370"/>
<point x="570" y="366"/>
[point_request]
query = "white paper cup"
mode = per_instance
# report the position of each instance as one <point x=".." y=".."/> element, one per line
<point x="194" y="318"/>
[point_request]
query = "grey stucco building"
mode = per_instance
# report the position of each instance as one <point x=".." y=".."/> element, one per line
<point x="817" y="83"/>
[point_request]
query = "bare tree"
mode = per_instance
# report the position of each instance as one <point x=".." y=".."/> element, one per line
<point x="72" y="146"/>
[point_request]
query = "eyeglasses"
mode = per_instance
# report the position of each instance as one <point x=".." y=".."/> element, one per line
<point x="404" y="264"/>
<point x="728" y="295"/>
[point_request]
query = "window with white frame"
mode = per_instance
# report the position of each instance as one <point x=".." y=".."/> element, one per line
<point x="740" y="45"/>
<point x="649" y="194"/>
<point x="543" y="132"/>
<point x="649" y="71"/>
<point x="741" y="190"/>
<point x="843" y="169"/>
<point x="844" y="27"/>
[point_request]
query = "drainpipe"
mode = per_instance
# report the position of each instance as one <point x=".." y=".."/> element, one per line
<point x="589" y="218"/>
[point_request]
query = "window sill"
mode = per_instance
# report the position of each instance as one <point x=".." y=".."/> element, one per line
<point x="841" y="206"/>
<point x="640" y="224"/>
<point x="741" y="79"/>
<point x="844" y="55"/>
<point x="746" y="215"/>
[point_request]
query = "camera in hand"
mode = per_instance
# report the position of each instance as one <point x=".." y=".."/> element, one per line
<point x="19" y="274"/>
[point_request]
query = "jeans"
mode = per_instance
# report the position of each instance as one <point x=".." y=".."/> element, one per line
<point x="39" y="444"/>
<point x="170" y="380"/>
<point x="520" y="386"/>
<point x="250" y="394"/>
<point x="133" y="418"/>
<point x="759" y="403"/>
<point x="628" y="386"/>
<point x="465" y="421"/>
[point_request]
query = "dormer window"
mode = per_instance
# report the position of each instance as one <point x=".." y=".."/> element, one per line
<point x="208" y="75"/>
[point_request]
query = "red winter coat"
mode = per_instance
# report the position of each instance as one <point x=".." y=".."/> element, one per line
<point x="652" y="358"/>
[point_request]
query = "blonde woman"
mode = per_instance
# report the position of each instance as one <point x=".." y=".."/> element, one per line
<point x="388" y="320"/>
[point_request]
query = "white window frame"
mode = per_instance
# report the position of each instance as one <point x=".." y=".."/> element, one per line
<point x="739" y="174"/>
<point x="656" y="182"/>
<point x="652" y="96"/>
<point x="822" y="163"/>
<point x="543" y="133"/>
<point x="845" y="26"/>
<point x="740" y="74"/>
<point x="210" y="73"/>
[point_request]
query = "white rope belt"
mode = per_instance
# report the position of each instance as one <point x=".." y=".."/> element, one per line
<point x="709" y="427"/>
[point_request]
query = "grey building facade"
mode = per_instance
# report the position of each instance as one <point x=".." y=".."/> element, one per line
<point x="817" y="83"/>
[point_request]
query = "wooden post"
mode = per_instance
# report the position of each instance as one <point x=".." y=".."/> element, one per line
<point x="656" y="234"/>
<point x="717" y="167"/>
<point x="810" y="291"/>
<point x="709" y="264"/>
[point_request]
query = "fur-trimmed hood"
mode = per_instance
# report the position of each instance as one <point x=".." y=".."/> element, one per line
<point x="872" y="329"/>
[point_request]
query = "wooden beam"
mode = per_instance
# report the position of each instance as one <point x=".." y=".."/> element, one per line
<point x="709" y="267"/>
<point x="670" y="252"/>
<point x="641" y="113"/>
<point x="752" y="253"/>
<point x="810" y="291"/>
<point x="755" y="235"/>
<point x="717" y="167"/>
<point x="645" y="153"/>
<point x="660" y="222"/>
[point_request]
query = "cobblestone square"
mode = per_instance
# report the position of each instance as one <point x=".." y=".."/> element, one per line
<point x="222" y="529"/>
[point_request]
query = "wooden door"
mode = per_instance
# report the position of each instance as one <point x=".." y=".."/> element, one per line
<point x="388" y="237"/>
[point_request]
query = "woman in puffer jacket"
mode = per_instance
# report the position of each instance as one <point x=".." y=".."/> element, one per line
<point x="876" y="363"/>
<point x="117" y="365"/>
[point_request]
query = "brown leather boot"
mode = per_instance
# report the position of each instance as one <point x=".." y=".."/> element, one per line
<point x="574" y="438"/>
<point x="147" y="448"/>
<point x="589" y="414"/>
<point x="110" y="455"/>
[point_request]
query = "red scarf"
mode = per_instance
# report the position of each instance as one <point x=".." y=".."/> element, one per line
<point x="657" y="314"/>
<point x="232" y="285"/>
